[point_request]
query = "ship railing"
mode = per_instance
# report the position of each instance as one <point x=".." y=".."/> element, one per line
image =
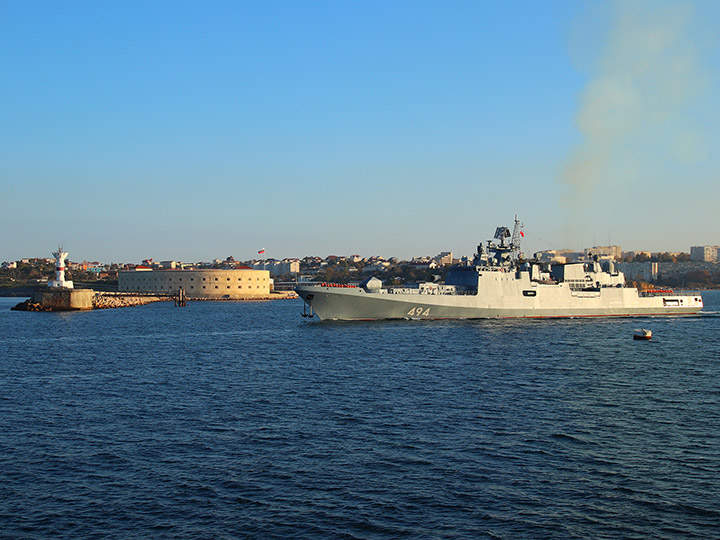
<point x="669" y="292"/>
<point x="431" y="292"/>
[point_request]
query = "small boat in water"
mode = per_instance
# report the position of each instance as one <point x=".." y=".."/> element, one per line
<point x="642" y="334"/>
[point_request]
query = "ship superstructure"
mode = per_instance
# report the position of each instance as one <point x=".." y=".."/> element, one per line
<point x="500" y="283"/>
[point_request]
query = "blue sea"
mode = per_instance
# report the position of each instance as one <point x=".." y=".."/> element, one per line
<point x="227" y="420"/>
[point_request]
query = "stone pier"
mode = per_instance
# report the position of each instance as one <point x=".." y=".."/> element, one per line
<point x="61" y="299"/>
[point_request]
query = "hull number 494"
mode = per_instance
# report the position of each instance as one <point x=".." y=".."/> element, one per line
<point x="418" y="312"/>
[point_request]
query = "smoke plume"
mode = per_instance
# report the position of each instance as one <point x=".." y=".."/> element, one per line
<point x="634" y="112"/>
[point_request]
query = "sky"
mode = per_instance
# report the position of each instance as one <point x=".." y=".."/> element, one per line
<point x="200" y="130"/>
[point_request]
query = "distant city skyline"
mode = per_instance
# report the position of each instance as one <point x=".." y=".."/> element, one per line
<point x="695" y="253"/>
<point x="192" y="132"/>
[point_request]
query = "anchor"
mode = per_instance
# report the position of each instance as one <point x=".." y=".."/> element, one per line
<point x="307" y="304"/>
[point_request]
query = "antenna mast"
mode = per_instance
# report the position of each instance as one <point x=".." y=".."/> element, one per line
<point x="517" y="236"/>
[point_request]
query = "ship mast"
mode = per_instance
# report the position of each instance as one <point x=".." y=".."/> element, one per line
<point x="517" y="235"/>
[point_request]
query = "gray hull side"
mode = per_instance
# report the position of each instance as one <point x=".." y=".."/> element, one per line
<point x="355" y="304"/>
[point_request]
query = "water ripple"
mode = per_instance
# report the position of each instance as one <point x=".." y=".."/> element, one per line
<point x="243" y="420"/>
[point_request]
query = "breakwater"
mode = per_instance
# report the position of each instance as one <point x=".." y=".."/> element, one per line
<point x="85" y="299"/>
<point x="107" y="300"/>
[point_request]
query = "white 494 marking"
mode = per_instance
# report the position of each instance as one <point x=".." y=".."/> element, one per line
<point x="417" y="312"/>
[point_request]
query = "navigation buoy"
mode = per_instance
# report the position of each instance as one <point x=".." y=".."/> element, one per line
<point x="642" y="334"/>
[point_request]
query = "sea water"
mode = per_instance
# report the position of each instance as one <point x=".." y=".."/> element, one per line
<point x="245" y="420"/>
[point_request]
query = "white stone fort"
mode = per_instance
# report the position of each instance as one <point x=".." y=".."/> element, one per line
<point x="208" y="283"/>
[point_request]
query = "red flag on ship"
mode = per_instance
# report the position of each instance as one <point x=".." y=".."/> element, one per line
<point x="261" y="251"/>
<point x="522" y="234"/>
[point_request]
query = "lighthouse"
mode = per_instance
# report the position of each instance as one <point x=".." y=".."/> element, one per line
<point x="59" y="281"/>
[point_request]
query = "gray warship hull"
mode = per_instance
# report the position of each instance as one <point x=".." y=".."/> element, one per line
<point x="500" y="284"/>
<point x="549" y="301"/>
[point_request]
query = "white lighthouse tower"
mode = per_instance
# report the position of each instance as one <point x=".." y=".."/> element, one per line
<point x="59" y="281"/>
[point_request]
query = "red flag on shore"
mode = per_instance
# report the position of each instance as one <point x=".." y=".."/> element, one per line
<point x="261" y="251"/>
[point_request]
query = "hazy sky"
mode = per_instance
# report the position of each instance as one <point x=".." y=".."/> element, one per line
<point x="195" y="130"/>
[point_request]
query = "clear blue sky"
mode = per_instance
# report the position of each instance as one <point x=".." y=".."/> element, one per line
<point x="195" y="130"/>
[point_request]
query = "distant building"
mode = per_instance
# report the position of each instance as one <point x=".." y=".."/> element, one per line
<point x="444" y="258"/>
<point x="557" y="256"/>
<point x="704" y="253"/>
<point x="605" y="252"/>
<point x="278" y="268"/>
<point x="678" y="270"/>
<point x="197" y="283"/>
<point x="639" y="271"/>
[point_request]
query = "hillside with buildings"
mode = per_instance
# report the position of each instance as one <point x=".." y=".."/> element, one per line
<point x="697" y="269"/>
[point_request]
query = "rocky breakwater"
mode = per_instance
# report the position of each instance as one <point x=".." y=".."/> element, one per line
<point x="28" y="305"/>
<point x="62" y="301"/>
<point x="107" y="300"/>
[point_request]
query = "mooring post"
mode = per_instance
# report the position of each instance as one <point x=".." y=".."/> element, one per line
<point x="181" y="299"/>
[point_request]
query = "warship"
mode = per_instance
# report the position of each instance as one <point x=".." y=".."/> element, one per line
<point x="499" y="283"/>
